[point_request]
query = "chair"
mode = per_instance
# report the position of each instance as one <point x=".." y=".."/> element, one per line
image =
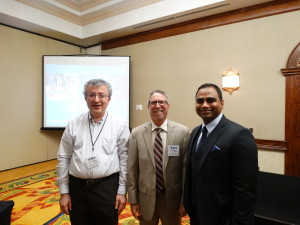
<point x="5" y="211"/>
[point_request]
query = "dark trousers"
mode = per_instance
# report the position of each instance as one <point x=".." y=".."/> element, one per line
<point x="95" y="204"/>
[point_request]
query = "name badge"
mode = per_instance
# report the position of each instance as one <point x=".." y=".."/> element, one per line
<point x="92" y="162"/>
<point x="173" y="150"/>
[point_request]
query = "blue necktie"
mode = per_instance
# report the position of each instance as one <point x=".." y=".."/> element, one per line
<point x="204" y="135"/>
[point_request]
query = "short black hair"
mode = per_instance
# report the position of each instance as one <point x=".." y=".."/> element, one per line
<point x="218" y="90"/>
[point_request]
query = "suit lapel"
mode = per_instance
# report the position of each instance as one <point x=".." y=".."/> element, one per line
<point x="194" y="137"/>
<point x="192" y="143"/>
<point x="210" y="141"/>
<point x="147" y="134"/>
<point x="171" y="133"/>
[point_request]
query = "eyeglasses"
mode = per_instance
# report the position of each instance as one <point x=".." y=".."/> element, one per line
<point x="100" y="96"/>
<point x="161" y="103"/>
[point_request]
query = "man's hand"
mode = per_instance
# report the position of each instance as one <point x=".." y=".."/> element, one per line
<point x="120" y="203"/>
<point x="182" y="212"/>
<point x="65" y="203"/>
<point x="135" y="210"/>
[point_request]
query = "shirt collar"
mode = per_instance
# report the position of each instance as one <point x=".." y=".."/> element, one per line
<point x="100" y="121"/>
<point x="211" y="126"/>
<point x="164" y="126"/>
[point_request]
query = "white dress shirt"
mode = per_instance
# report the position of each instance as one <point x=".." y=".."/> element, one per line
<point x="210" y="127"/>
<point x="110" y="149"/>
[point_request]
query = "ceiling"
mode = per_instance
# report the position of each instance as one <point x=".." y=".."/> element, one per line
<point x="88" y="22"/>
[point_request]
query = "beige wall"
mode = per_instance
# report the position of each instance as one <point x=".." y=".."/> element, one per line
<point x="22" y="141"/>
<point x="258" y="49"/>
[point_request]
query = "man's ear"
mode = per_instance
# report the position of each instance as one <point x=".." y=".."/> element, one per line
<point x="222" y="102"/>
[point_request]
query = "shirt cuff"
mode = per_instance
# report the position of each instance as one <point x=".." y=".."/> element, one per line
<point x="63" y="189"/>
<point x="122" y="190"/>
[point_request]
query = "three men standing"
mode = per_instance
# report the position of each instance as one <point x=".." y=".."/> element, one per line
<point x="218" y="176"/>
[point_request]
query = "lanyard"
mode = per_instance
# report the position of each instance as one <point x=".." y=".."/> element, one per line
<point x="93" y="144"/>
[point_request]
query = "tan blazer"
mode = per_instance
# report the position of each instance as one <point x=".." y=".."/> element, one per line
<point x="141" y="168"/>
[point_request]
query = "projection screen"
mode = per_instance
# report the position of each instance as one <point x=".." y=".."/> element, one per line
<point x="63" y="81"/>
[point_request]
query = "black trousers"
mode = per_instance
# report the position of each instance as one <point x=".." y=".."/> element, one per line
<point x="95" y="204"/>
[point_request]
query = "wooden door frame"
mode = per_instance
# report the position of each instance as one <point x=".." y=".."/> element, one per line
<point x="292" y="72"/>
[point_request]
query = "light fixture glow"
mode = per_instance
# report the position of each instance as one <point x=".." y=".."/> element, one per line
<point x="230" y="80"/>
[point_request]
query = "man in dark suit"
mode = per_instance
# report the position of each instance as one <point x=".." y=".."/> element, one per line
<point x="155" y="180"/>
<point x="222" y="167"/>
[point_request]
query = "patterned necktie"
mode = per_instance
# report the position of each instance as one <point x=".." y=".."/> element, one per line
<point x="158" y="155"/>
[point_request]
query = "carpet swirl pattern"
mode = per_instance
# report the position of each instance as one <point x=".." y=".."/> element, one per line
<point x="36" y="201"/>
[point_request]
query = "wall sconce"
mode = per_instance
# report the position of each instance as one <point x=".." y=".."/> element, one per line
<point x="230" y="80"/>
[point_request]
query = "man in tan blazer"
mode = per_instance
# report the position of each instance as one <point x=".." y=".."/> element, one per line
<point x="156" y="194"/>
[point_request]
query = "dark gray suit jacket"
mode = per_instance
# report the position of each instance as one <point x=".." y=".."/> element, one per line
<point x="220" y="181"/>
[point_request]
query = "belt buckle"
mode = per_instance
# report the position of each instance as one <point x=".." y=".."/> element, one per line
<point x="89" y="182"/>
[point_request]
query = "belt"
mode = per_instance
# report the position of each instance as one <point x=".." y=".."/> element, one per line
<point x="92" y="182"/>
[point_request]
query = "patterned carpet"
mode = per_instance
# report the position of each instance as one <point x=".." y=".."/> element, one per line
<point x="36" y="201"/>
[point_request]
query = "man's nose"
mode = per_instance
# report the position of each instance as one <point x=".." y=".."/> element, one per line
<point x="205" y="103"/>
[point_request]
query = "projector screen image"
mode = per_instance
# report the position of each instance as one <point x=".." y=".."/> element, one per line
<point x="63" y="81"/>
